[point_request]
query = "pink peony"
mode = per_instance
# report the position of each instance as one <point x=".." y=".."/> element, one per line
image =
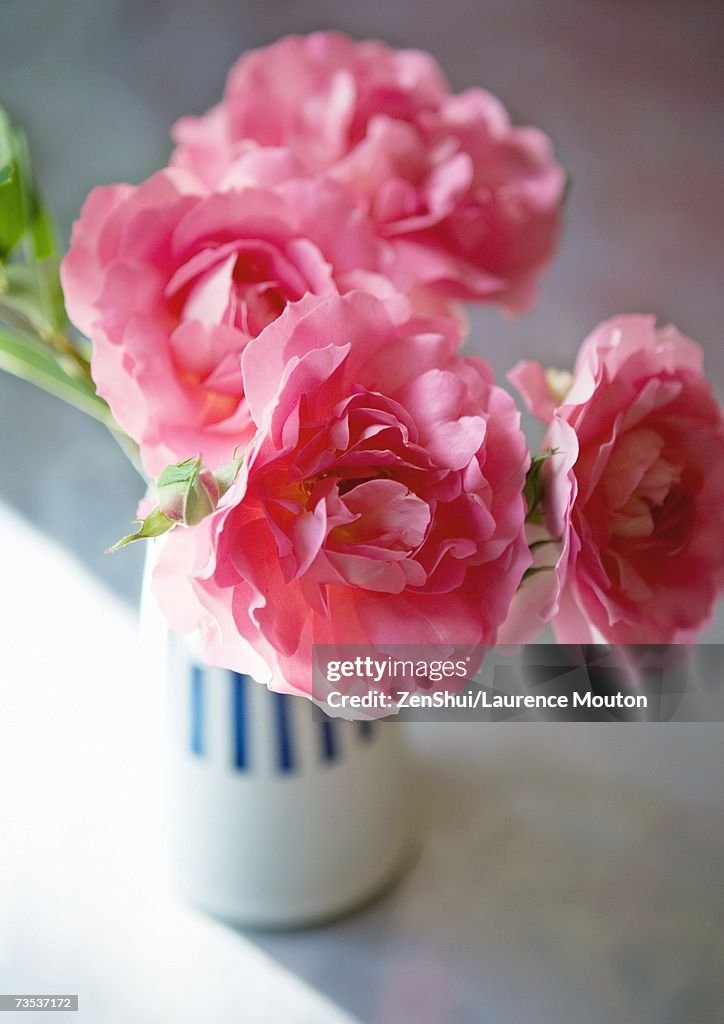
<point x="470" y="204"/>
<point x="379" y="502"/>
<point x="170" y="283"/>
<point x="640" y="483"/>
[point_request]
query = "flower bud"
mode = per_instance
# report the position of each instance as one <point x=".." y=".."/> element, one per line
<point x="187" y="492"/>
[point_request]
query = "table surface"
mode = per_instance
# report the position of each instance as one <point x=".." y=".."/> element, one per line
<point x="566" y="873"/>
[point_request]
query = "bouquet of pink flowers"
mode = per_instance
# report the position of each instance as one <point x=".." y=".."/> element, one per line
<point x="274" y="322"/>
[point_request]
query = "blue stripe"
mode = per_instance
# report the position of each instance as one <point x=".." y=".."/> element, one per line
<point x="329" y="739"/>
<point x="366" y="729"/>
<point x="197" y="710"/>
<point x="285" y="747"/>
<point x="239" y="717"/>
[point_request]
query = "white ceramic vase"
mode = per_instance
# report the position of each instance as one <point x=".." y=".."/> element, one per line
<point x="278" y="819"/>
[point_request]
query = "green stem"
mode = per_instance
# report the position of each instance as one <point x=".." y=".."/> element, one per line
<point x="28" y="358"/>
<point x="131" y="450"/>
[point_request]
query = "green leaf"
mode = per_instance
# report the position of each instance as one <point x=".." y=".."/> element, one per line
<point x="154" y="525"/>
<point x="31" y="360"/>
<point x="187" y="491"/>
<point x="50" y="291"/>
<point x="22" y="214"/>
<point x="227" y="474"/>
<point x="20" y="297"/>
<point x="12" y="193"/>
<point x="38" y="222"/>
<point x="533" y="489"/>
<point x="6" y="148"/>
<point x="12" y="220"/>
<point x="180" y="473"/>
<point x="43" y="231"/>
<point x="32" y="292"/>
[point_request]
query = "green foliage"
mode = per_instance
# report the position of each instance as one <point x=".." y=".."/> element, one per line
<point x="13" y="202"/>
<point x="23" y="216"/>
<point x="183" y="494"/>
<point x="187" y="493"/>
<point x="227" y="474"/>
<point x="533" y="489"/>
<point x="31" y="293"/>
<point x="36" y="343"/>
<point x="28" y="358"/>
<point x="154" y="525"/>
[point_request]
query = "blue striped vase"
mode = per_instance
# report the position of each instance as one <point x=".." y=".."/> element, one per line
<point x="279" y="818"/>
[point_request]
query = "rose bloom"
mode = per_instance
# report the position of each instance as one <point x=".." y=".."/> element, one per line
<point x="636" y="494"/>
<point x="171" y="283"/>
<point x="379" y="502"/>
<point x="470" y="203"/>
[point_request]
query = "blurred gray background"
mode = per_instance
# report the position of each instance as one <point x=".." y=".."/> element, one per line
<point x="631" y="92"/>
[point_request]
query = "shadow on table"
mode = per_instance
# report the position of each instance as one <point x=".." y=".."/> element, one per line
<point x="541" y="894"/>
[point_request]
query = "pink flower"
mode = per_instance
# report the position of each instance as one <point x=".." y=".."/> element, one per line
<point x="640" y="482"/>
<point x="470" y="204"/>
<point x="379" y="502"/>
<point x="171" y="283"/>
